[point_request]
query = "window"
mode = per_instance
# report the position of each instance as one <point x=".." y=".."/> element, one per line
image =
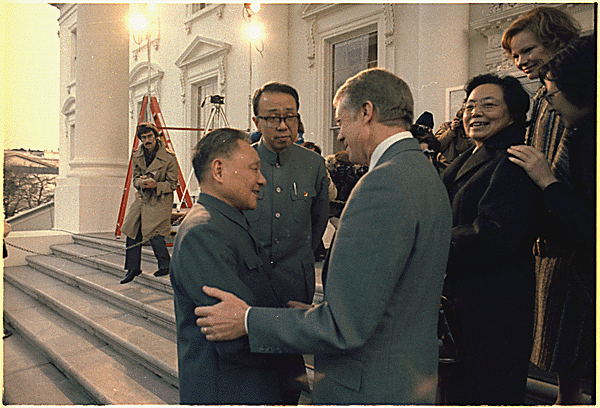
<point x="196" y="7"/>
<point x="73" y="54"/>
<point x="349" y="57"/>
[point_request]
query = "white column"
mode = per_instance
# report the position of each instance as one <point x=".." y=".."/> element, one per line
<point x="87" y="198"/>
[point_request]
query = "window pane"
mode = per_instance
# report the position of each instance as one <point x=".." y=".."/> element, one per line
<point x="349" y="58"/>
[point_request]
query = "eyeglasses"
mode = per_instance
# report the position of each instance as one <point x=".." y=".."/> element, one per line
<point x="548" y="96"/>
<point x="274" y="121"/>
<point x="485" y="106"/>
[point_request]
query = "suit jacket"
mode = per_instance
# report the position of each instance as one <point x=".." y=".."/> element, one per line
<point x="152" y="207"/>
<point x="291" y="217"/>
<point x="375" y="335"/>
<point x="215" y="247"/>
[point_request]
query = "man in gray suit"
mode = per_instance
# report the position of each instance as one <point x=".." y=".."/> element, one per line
<point x="375" y="335"/>
<point x="215" y="246"/>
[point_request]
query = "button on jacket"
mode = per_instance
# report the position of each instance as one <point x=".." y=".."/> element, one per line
<point x="291" y="217"/>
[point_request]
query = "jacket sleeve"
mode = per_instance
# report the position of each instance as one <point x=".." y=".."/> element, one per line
<point x="357" y="291"/>
<point x="208" y="258"/>
<point x="320" y="206"/>
<point x="445" y="134"/>
<point x="169" y="184"/>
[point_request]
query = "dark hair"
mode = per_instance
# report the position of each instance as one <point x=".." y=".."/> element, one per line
<point x="390" y="95"/>
<point x="552" y="27"/>
<point x="146" y="127"/>
<point x="218" y="143"/>
<point x="312" y="146"/>
<point x="277" y="87"/>
<point x="515" y="97"/>
<point x="573" y="70"/>
<point x="424" y="135"/>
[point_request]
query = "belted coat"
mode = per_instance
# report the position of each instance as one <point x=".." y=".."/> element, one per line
<point x="152" y="207"/>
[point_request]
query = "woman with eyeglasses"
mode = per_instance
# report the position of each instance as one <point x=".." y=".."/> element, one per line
<point x="490" y="275"/>
<point x="568" y="304"/>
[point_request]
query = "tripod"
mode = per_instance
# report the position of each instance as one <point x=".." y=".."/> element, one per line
<point x="216" y="113"/>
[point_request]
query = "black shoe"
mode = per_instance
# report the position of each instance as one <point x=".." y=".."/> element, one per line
<point x="130" y="275"/>
<point x="161" y="272"/>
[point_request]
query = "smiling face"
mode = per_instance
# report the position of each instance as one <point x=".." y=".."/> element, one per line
<point x="241" y="178"/>
<point x="486" y="113"/>
<point x="353" y="134"/>
<point x="277" y="104"/>
<point x="528" y="53"/>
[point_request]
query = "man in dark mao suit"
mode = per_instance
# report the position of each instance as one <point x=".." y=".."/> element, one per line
<point x="214" y="246"/>
<point x="293" y="208"/>
<point x="375" y="335"/>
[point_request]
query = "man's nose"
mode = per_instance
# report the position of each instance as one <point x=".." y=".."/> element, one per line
<point x="282" y="125"/>
<point x="261" y="179"/>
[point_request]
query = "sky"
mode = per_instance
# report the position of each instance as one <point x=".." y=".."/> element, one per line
<point x="29" y="67"/>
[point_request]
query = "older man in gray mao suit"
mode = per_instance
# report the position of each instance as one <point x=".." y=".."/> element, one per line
<point x="374" y="336"/>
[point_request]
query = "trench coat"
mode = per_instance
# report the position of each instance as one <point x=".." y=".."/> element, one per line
<point x="152" y="208"/>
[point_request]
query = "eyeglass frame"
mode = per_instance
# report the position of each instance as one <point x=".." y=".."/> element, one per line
<point x="279" y="120"/>
<point x="482" y="105"/>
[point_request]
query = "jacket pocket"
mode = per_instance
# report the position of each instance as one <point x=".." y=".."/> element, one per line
<point x="302" y="198"/>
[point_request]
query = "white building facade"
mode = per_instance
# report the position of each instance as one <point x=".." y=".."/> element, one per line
<point x="199" y="50"/>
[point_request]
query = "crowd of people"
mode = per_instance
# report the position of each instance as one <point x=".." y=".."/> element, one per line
<point x="494" y="211"/>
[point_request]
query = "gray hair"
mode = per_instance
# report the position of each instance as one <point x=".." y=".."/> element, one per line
<point x="390" y="95"/>
<point x="218" y="143"/>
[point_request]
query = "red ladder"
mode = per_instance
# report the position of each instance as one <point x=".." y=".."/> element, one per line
<point x="159" y="121"/>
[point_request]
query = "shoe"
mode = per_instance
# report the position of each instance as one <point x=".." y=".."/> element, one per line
<point x="161" y="272"/>
<point x="130" y="275"/>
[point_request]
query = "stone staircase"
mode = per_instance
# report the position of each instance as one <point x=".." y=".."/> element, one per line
<point x="80" y="337"/>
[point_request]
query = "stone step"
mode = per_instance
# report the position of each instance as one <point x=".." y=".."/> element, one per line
<point x="147" y="302"/>
<point x="30" y="378"/>
<point x="112" y="244"/>
<point x="111" y="263"/>
<point x="86" y="357"/>
<point x="138" y="338"/>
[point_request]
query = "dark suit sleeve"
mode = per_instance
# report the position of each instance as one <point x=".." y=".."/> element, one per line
<point x="361" y="285"/>
<point x="320" y="206"/>
<point x="506" y="217"/>
<point x="207" y="257"/>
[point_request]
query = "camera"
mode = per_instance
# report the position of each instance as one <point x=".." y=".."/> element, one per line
<point x="218" y="99"/>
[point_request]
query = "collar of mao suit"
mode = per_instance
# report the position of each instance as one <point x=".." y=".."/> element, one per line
<point x="270" y="156"/>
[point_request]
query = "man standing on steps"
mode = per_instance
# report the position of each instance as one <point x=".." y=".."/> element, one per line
<point x="155" y="176"/>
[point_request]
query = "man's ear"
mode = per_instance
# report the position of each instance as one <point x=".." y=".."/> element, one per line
<point x="366" y="111"/>
<point x="216" y="170"/>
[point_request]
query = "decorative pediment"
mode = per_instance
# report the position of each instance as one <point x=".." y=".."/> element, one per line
<point x="68" y="107"/>
<point x="139" y="74"/>
<point x="313" y="10"/>
<point x="200" y="50"/>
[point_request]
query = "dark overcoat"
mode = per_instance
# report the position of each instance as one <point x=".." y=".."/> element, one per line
<point x="214" y="247"/>
<point x="490" y="277"/>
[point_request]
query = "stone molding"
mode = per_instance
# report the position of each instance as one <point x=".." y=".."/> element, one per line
<point x="217" y="9"/>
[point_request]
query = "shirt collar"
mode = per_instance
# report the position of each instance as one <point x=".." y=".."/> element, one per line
<point x="383" y="146"/>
